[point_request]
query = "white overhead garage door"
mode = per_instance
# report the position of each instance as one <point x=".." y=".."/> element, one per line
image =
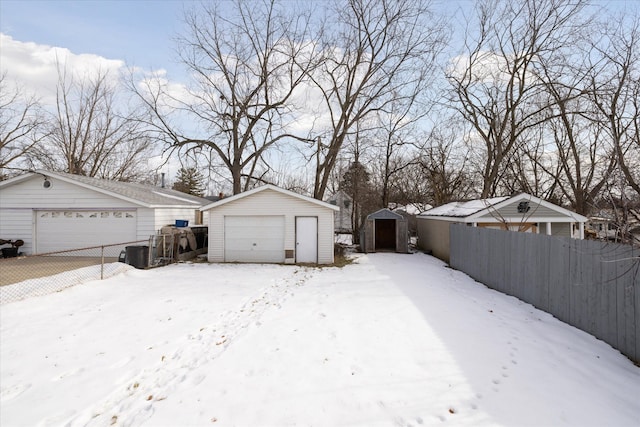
<point x="254" y="238"/>
<point x="63" y="230"/>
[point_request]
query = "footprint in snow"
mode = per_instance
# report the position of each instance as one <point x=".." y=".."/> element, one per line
<point x="67" y="374"/>
<point x="122" y="362"/>
<point x="8" y="393"/>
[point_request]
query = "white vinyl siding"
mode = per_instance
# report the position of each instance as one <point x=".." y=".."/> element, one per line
<point x="270" y="202"/>
<point x="17" y="224"/>
<point x="20" y="202"/>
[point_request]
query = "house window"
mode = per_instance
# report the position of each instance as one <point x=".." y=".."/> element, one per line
<point x="347" y="203"/>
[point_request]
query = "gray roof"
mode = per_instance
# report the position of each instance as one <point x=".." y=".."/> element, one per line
<point x="385" y="214"/>
<point x="268" y="187"/>
<point x="143" y="194"/>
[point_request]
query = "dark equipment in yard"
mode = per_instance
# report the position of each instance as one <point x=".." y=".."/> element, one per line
<point x="13" y="250"/>
<point x="137" y="256"/>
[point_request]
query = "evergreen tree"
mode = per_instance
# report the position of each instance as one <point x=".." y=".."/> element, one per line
<point x="190" y="181"/>
<point x="356" y="182"/>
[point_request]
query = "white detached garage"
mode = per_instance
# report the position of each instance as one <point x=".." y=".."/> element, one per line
<point x="54" y="211"/>
<point x="270" y="225"/>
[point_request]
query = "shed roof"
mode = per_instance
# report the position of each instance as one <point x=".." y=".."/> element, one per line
<point x="266" y="187"/>
<point x="468" y="211"/>
<point x="385" y="214"/>
<point x="140" y="194"/>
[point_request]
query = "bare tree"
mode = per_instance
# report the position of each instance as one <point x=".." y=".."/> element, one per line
<point x="397" y="138"/>
<point x="92" y="131"/>
<point x="615" y="88"/>
<point x="493" y="83"/>
<point x="443" y="167"/>
<point x="375" y="53"/>
<point x="21" y="127"/>
<point x="578" y="162"/>
<point x="247" y="62"/>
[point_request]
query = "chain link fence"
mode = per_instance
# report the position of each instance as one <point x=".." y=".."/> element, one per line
<point x="33" y="275"/>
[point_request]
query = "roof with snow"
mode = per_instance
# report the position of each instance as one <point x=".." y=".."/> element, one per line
<point x="463" y="209"/>
<point x="520" y="207"/>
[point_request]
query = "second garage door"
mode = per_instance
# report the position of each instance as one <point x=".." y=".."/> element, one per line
<point x="254" y="239"/>
<point x="64" y="230"/>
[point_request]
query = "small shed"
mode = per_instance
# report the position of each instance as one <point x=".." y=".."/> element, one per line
<point x="523" y="212"/>
<point x="384" y="230"/>
<point x="271" y="225"/>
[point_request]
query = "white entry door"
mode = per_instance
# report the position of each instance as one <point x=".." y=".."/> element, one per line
<point x="307" y="239"/>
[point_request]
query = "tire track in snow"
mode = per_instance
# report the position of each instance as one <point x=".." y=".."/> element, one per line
<point x="134" y="403"/>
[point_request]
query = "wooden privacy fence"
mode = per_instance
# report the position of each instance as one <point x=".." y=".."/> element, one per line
<point x="592" y="285"/>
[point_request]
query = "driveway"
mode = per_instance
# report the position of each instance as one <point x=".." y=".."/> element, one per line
<point x="13" y="270"/>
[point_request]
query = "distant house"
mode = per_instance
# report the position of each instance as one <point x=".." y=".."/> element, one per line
<point x="55" y="211"/>
<point x="524" y="212"/>
<point x="270" y="225"/>
<point x="607" y="224"/>
<point x="343" y="217"/>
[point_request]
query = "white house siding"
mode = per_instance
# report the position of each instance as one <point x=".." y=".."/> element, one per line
<point x="19" y="201"/>
<point x="17" y="224"/>
<point x="271" y="202"/>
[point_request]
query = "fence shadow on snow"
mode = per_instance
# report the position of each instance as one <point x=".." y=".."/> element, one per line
<point x="592" y="285"/>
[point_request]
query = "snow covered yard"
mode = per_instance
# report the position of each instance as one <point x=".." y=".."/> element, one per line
<point x="390" y="340"/>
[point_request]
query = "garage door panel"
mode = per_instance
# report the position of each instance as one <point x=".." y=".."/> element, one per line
<point x="64" y="230"/>
<point x="254" y="238"/>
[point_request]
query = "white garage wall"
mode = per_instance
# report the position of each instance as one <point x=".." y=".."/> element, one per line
<point x="17" y="224"/>
<point x="270" y="202"/>
<point x="18" y="201"/>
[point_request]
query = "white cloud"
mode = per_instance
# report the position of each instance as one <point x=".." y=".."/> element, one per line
<point x="33" y="66"/>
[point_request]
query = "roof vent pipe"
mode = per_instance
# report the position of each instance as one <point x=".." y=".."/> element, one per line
<point x="162" y="179"/>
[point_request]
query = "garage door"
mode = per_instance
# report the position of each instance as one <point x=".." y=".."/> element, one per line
<point x="62" y="230"/>
<point x="254" y="238"/>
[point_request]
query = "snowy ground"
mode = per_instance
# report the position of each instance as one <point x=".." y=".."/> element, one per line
<point x="390" y="340"/>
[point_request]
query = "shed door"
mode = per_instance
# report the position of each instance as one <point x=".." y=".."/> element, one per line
<point x="63" y="230"/>
<point x="254" y="238"/>
<point x="307" y="239"/>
